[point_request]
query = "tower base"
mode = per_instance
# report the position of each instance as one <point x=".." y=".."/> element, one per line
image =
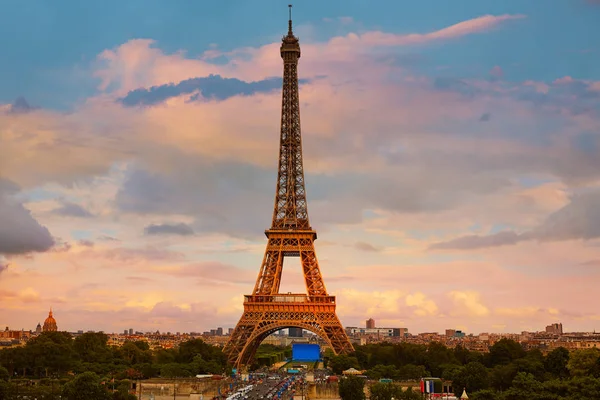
<point x="264" y="315"/>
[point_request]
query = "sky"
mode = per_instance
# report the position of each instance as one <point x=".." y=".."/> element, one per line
<point x="451" y="150"/>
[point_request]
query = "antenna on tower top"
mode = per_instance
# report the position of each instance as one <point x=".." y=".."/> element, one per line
<point x="290" y="20"/>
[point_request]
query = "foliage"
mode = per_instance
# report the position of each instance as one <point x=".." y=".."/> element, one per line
<point x="89" y="356"/>
<point x="556" y="363"/>
<point x="85" y="386"/>
<point x="61" y="364"/>
<point x="4" y="375"/>
<point x="268" y="354"/>
<point x="342" y="362"/>
<point x="389" y="391"/>
<point x="352" y="388"/>
<point x="385" y="391"/>
<point x="507" y="372"/>
<point x="583" y="362"/>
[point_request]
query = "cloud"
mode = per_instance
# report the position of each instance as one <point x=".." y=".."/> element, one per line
<point x="29" y="295"/>
<point x="364" y="246"/>
<point x="169" y="229"/>
<point x="496" y="72"/>
<point x="140" y="279"/>
<point x="20" y="106"/>
<point x="85" y="243"/>
<point x="69" y="209"/>
<point x="423" y="306"/>
<point x="214" y="198"/>
<point x="20" y="233"/>
<point x="209" y="273"/>
<point x="355" y="303"/>
<point x="475" y="25"/>
<point x="578" y="220"/>
<point x="24" y="296"/>
<point x="485" y="117"/>
<point x="468" y="304"/>
<point x="521" y="312"/>
<point x="395" y="159"/>
<point x="107" y="238"/>
<point x="478" y="242"/>
<point x="136" y="255"/>
<point x="138" y="64"/>
<point x="210" y="87"/>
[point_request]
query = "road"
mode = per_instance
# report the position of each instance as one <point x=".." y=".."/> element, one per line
<point x="272" y="387"/>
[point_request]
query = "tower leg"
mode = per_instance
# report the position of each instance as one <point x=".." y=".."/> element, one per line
<point x="253" y="329"/>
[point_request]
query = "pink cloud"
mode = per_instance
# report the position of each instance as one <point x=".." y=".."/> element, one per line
<point x="463" y="28"/>
<point x="392" y="148"/>
<point x="497" y="72"/>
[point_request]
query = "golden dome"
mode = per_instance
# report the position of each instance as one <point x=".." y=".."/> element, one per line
<point x="50" y="323"/>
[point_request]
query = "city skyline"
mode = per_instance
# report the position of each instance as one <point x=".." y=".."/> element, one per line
<point x="452" y="163"/>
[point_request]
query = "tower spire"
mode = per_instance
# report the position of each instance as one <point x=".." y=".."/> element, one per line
<point x="290" y="33"/>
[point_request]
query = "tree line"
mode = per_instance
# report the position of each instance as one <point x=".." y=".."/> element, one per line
<point x="63" y="365"/>
<point x="507" y="372"/>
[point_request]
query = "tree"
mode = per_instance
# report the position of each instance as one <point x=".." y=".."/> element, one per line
<point x="532" y="363"/>
<point x="465" y="356"/>
<point x="133" y="354"/>
<point x="84" y="387"/>
<point x="4" y="390"/>
<point x="504" y="352"/>
<point x="174" y="370"/>
<point x="502" y="376"/>
<point x="4" y="375"/>
<point x="50" y="352"/>
<point x="524" y="387"/>
<point x="352" y="388"/>
<point x="342" y="362"/>
<point x="474" y="376"/>
<point x="410" y="394"/>
<point x="438" y="355"/>
<point x="483" y="395"/>
<point x="583" y="362"/>
<point x="385" y="391"/>
<point x="556" y="362"/>
<point x="142" y="345"/>
<point x="411" y="371"/>
<point x="93" y="347"/>
<point x="383" y="371"/>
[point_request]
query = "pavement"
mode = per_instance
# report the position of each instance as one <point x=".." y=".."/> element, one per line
<point x="274" y="386"/>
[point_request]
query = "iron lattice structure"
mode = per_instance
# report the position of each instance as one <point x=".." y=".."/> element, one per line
<point x="290" y="235"/>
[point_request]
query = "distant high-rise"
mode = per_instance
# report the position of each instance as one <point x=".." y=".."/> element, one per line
<point x="555" y="329"/>
<point x="130" y="331"/>
<point x="370" y="323"/>
<point x="450" y="332"/>
<point x="219" y="331"/>
<point x="295" y="332"/>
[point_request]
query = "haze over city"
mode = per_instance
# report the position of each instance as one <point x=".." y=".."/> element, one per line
<point x="452" y="161"/>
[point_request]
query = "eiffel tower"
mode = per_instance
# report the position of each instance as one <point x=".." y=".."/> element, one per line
<point x="266" y="310"/>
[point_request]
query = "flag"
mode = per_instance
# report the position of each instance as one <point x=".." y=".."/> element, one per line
<point x="429" y="386"/>
<point x="422" y="386"/>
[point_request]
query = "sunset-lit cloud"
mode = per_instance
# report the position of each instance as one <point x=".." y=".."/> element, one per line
<point x="462" y="197"/>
